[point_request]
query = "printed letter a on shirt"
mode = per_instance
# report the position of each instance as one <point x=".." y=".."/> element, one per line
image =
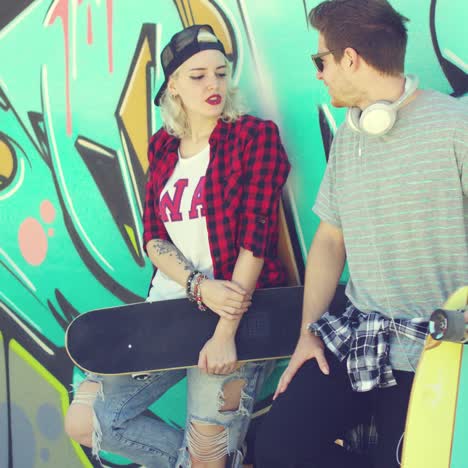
<point x="198" y="200"/>
<point x="173" y="205"/>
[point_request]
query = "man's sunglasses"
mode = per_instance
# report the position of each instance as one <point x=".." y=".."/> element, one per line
<point x="318" y="59"/>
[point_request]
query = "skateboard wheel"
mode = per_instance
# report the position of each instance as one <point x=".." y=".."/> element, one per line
<point x="448" y="325"/>
<point x="141" y="376"/>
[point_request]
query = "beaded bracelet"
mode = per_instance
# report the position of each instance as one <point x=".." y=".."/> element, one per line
<point x="193" y="294"/>
<point x="196" y="291"/>
<point x="189" y="286"/>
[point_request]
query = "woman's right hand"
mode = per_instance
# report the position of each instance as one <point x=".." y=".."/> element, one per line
<point x="225" y="298"/>
<point x="218" y="356"/>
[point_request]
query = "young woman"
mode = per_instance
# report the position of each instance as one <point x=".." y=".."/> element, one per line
<point x="211" y="231"/>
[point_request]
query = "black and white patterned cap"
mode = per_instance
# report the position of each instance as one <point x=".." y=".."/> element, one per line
<point x="181" y="47"/>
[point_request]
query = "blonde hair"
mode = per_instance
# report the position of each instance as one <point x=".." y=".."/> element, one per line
<point x="173" y="114"/>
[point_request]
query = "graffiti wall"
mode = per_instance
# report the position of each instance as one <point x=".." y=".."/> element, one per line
<point x="77" y="79"/>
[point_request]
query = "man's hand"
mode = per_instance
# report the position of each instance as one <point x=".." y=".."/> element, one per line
<point x="308" y="347"/>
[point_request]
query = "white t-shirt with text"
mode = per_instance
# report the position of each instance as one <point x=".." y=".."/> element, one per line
<point x="182" y="209"/>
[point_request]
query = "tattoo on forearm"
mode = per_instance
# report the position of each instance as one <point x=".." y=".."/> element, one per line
<point x="163" y="247"/>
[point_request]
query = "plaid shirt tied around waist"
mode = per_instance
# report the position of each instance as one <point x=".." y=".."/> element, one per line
<point x="363" y="338"/>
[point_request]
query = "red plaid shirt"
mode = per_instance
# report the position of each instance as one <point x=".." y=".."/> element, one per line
<point x="247" y="170"/>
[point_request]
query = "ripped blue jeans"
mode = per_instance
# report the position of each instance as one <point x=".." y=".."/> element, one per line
<point x="120" y="425"/>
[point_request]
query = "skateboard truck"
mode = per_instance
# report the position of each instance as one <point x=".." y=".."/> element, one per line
<point x="448" y="325"/>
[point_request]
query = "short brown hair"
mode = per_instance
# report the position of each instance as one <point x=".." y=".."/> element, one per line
<point x="372" y="27"/>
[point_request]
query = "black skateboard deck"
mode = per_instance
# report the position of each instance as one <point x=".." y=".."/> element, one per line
<point x="165" y="335"/>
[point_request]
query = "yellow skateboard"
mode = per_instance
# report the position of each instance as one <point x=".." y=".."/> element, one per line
<point x="436" y="415"/>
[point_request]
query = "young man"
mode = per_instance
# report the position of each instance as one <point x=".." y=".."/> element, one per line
<point x="393" y="202"/>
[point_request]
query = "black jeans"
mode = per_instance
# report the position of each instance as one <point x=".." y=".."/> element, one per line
<point x="300" y="429"/>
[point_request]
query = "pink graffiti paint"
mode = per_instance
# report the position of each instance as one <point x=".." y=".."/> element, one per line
<point x="47" y="211"/>
<point x="60" y="10"/>
<point x="32" y="241"/>
<point x="89" y="36"/>
<point x="110" y="58"/>
<point x="50" y="232"/>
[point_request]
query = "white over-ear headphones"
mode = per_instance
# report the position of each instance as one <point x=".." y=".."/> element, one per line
<point x="379" y="118"/>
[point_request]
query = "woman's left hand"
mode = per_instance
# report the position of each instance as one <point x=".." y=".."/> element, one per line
<point x="219" y="355"/>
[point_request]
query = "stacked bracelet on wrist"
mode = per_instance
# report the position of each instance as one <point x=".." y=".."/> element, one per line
<point x="189" y="285"/>
<point x="193" y="288"/>
<point x="196" y="290"/>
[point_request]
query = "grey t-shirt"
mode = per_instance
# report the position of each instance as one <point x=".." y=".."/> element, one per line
<point x="401" y="201"/>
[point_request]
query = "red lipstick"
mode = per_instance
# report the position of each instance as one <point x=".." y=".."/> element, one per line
<point x="214" y="100"/>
